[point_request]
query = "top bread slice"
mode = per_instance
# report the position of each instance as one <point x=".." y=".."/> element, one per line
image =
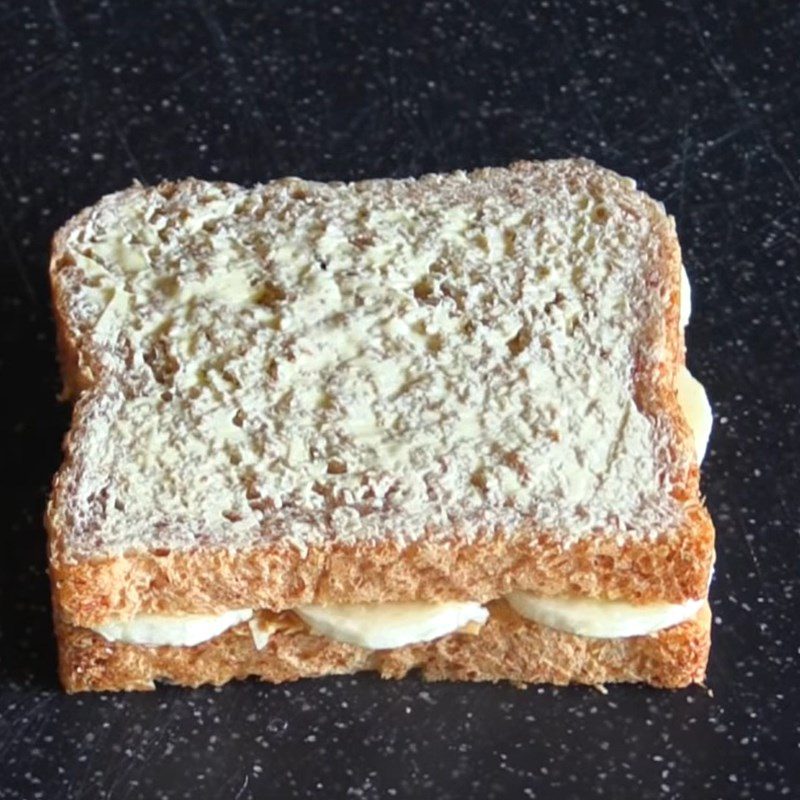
<point x="443" y="388"/>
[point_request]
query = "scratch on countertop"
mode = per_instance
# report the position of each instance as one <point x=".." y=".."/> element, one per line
<point x="739" y="97"/>
<point x="13" y="88"/>
<point x="239" y="794"/>
<point x="122" y="138"/>
<point x="226" y="55"/>
<point x="12" y="250"/>
<point x="58" y="19"/>
<point x="686" y="146"/>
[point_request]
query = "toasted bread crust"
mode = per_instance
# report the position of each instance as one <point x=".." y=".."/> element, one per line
<point x="279" y="578"/>
<point x="508" y="647"/>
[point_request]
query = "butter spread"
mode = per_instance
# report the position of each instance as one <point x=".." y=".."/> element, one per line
<point x="602" y="619"/>
<point x="378" y="626"/>
<point x="312" y="362"/>
<point x="174" y="631"/>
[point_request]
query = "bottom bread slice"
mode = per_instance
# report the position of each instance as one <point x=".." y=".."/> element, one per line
<point x="507" y="647"/>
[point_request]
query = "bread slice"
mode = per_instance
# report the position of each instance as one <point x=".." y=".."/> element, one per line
<point x="447" y="388"/>
<point x="508" y="647"/>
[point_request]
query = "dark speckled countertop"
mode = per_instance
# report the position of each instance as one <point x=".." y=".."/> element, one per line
<point x="698" y="101"/>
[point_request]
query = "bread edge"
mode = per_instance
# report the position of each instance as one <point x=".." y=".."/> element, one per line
<point x="507" y="648"/>
<point x="674" y="568"/>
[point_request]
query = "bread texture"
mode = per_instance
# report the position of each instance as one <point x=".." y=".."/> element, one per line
<point x="507" y="647"/>
<point x="515" y="332"/>
<point x="279" y="578"/>
<point x="444" y="388"/>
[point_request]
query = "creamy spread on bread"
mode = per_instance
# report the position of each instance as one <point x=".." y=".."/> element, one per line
<point x="378" y="626"/>
<point x="350" y="362"/>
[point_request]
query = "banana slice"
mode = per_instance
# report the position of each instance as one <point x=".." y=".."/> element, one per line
<point x="378" y="626"/>
<point x="601" y="619"/>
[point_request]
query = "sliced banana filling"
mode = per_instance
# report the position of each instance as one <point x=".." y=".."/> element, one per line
<point x="601" y="619"/>
<point x="692" y="395"/>
<point x="697" y="410"/>
<point x="176" y="631"/>
<point x="380" y="626"/>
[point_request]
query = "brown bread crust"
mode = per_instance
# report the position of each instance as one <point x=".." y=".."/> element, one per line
<point x="278" y="578"/>
<point x="507" y="647"/>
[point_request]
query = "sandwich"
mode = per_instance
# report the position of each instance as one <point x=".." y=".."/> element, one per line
<point x="439" y="425"/>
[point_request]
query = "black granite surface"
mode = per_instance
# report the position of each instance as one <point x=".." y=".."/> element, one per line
<point x="699" y="101"/>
